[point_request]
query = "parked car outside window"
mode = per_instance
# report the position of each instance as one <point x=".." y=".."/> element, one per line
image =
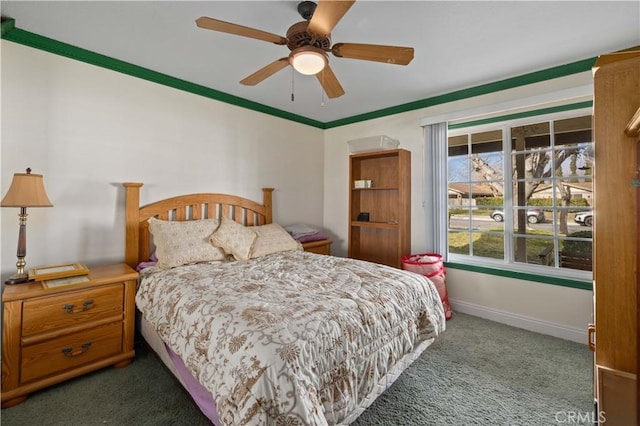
<point x="584" y="218"/>
<point x="533" y="215"/>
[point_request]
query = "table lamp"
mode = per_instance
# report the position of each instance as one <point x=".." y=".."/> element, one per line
<point x="26" y="190"/>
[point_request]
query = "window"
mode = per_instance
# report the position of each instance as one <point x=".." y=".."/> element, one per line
<point x="520" y="192"/>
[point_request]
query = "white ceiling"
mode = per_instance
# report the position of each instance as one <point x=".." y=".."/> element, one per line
<point x="457" y="44"/>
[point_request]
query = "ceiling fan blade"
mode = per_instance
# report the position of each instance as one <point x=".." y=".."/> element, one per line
<point x="265" y="72"/>
<point x="397" y="55"/>
<point x="330" y="83"/>
<point x="326" y="16"/>
<point x="227" y="27"/>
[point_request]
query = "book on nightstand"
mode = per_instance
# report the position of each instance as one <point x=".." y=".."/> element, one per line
<point x="62" y="282"/>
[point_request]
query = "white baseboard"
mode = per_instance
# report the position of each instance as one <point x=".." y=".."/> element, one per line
<point x="528" y="323"/>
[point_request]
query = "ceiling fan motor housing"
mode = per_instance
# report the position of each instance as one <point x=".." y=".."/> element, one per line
<point x="297" y="36"/>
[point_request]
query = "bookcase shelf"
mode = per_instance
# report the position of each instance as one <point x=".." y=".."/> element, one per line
<point x="386" y="237"/>
<point x="375" y="224"/>
<point x="376" y="189"/>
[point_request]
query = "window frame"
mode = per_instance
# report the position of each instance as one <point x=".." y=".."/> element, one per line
<point x="507" y="266"/>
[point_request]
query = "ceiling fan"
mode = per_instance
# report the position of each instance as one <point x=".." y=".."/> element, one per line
<point x="309" y="41"/>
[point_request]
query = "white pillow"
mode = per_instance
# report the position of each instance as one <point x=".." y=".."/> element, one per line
<point x="234" y="238"/>
<point x="272" y="238"/>
<point x="183" y="242"/>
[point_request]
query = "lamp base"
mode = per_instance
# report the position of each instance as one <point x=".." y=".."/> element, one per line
<point x="18" y="279"/>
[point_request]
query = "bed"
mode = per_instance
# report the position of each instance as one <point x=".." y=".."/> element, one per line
<point x="271" y="334"/>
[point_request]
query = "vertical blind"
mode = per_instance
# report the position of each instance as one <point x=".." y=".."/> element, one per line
<point x="436" y="192"/>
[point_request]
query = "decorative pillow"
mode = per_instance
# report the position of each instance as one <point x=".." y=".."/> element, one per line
<point x="183" y="242"/>
<point x="272" y="238"/>
<point x="234" y="238"/>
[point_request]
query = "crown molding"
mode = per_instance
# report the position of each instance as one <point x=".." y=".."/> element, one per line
<point x="36" y="41"/>
<point x="11" y="33"/>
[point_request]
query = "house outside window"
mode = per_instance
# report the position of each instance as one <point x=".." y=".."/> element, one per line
<point x="521" y="193"/>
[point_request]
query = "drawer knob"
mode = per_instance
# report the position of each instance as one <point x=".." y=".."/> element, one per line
<point x="70" y="353"/>
<point x="86" y="305"/>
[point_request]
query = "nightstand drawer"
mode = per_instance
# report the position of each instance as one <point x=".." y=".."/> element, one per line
<point x="319" y="247"/>
<point x="70" y="351"/>
<point x="54" y="312"/>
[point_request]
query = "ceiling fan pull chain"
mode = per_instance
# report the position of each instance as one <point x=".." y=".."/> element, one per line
<point x="292" y="74"/>
<point x="322" y="90"/>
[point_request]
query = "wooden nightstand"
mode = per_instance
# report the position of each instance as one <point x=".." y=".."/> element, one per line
<point x="320" y="246"/>
<point x="53" y="335"/>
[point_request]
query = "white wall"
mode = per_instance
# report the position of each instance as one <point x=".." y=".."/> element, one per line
<point x="87" y="129"/>
<point x="560" y="311"/>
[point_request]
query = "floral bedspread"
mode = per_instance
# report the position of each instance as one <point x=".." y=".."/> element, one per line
<point x="292" y="338"/>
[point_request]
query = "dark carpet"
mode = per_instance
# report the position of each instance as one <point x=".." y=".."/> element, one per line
<point x="477" y="373"/>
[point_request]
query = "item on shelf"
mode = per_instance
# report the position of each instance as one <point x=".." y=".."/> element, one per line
<point x="372" y="143"/>
<point x="358" y="184"/>
<point x="363" y="217"/>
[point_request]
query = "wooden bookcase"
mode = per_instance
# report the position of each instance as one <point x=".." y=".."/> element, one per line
<point x="386" y="236"/>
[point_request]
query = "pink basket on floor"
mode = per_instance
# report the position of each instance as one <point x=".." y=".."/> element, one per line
<point x="424" y="264"/>
<point x="431" y="266"/>
<point x="438" y="279"/>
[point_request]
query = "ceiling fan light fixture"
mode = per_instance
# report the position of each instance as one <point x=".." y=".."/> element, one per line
<point x="308" y="60"/>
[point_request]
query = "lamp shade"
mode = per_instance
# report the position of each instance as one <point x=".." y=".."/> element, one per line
<point x="26" y="190"/>
<point x="308" y="60"/>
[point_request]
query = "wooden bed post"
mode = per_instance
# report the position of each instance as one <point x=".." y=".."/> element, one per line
<point x="267" y="201"/>
<point x="131" y="220"/>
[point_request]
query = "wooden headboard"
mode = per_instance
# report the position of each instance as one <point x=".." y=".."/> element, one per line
<point x="185" y="207"/>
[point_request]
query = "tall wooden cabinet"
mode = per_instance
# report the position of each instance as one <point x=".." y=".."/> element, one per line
<point x="385" y="236"/>
<point x="616" y="100"/>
